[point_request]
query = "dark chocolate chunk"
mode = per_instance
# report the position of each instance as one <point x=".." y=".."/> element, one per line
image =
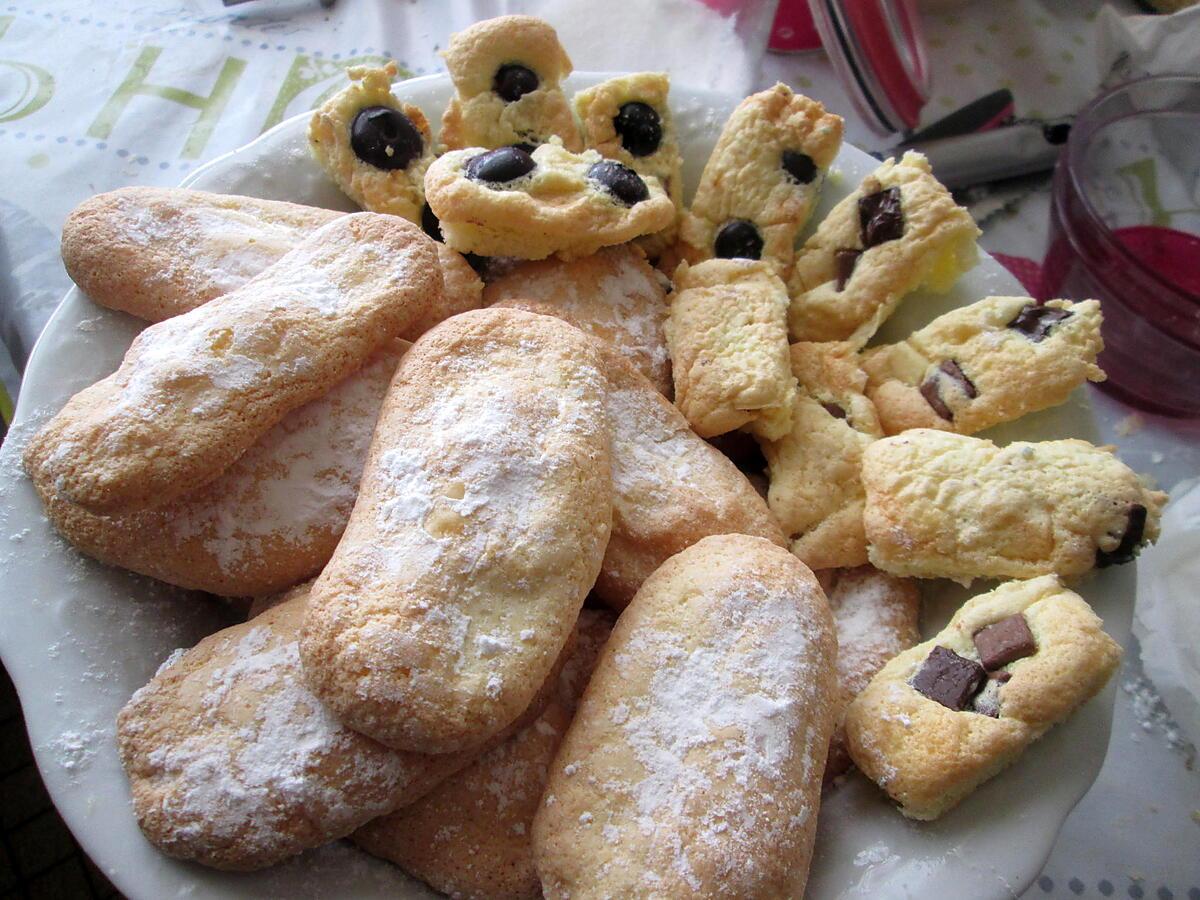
<point x="499" y="165"/>
<point x="619" y="180"/>
<point x="800" y="166"/>
<point x="524" y="147"/>
<point x="948" y="678"/>
<point x="738" y="239"/>
<point x="880" y="218"/>
<point x="1002" y="642"/>
<point x="430" y="223"/>
<point x="844" y="262"/>
<point x="385" y="138"/>
<point x="514" y="81"/>
<point x="931" y="387"/>
<point x="834" y="410"/>
<point x="1131" y="539"/>
<point x="1035" y="322"/>
<point x="640" y="128"/>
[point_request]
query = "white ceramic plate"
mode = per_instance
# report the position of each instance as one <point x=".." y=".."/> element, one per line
<point x="78" y="638"/>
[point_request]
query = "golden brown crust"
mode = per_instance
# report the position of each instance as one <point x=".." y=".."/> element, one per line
<point x="471" y="836"/>
<point x="670" y="487"/>
<point x="613" y="295"/>
<point x="554" y="209"/>
<point x="744" y="177"/>
<point x="928" y="756"/>
<point x="159" y="252"/>
<point x="480" y="525"/>
<point x="718" y="684"/>
<point x="399" y="192"/>
<point x="269" y="521"/>
<point x="479" y="117"/>
<point x="727" y="333"/>
<point x="1008" y="374"/>
<point x="943" y="505"/>
<point x="196" y="391"/>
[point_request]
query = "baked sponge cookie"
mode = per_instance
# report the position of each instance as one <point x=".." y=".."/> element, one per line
<point x="196" y="391"/>
<point x="375" y="148"/>
<point x="670" y="487"/>
<point x="762" y="180"/>
<point x="943" y="505"/>
<point x="717" y="686"/>
<point x="727" y="333"/>
<point x="876" y="616"/>
<point x="480" y="525"/>
<point x="158" y="252"/>
<point x="815" y="476"/>
<point x="471" y="836"/>
<point x="507" y="73"/>
<point x="613" y="295"/>
<point x="510" y="202"/>
<point x="269" y="521"/>
<point x="947" y="715"/>
<point x="234" y="764"/>
<point x="900" y="230"/>
<point x="984" y="364"/>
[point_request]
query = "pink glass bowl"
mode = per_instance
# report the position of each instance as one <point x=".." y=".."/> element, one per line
<point x="1125" y="229"/>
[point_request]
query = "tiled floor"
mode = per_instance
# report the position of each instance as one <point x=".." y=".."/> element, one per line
<point x="39" y="860"/>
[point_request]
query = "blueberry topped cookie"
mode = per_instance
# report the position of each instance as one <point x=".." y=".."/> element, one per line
<point x="987" y="363"/>
<point x="627" y="119"/>
<point x="509" y="202"/>
<point x="761" y="182"/>
<point x="506" y="73"/>
<point x="899" y="231"/>
<point x="374" y="147"/>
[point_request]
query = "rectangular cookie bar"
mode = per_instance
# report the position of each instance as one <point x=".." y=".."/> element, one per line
<point x="987" y="363"/>
<point x="727" y="335"/>
<point x="900" y="230"/>
<point x="815" y="469"/>
<point x="947" y="715"/>
<point x="761" y="182"/>
<point x="943" y="505"/>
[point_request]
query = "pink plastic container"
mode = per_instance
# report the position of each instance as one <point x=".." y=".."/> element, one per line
<point x="1125" y="229"/>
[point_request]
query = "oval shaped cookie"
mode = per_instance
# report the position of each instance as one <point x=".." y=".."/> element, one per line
<point x="196" y="391"/>
<point x="480" y="525"/>
<point x="693" y="766"/>
<point x="670" y="487"/>
<point x="269" y="521"/>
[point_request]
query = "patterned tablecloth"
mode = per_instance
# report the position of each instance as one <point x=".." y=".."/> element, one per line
<point x="98" y="95"/>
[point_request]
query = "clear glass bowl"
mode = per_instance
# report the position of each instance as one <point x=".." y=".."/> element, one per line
<point x="1125" y="229"/>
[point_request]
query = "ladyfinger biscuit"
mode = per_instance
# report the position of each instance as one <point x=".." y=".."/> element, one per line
<point x="984" y="364"/>
<point x="480" y="526"/>
<point x="876" y="617"/>
<point x="509" y="202"/>
<point x="507" y="73"/>
<point x="159" y="252"/>
<point x="375" y="148"/>
<point x="234" y="764"/>
<point x="471" y="836"/>
<point x="613" y="295"/>
<point x="693" y="766"/>
<point x="900" y="230"/>
<point x="727" y="333"/>
<point x="670" y="487"/>
<point x="628" y="118"/>
<point x="269" y="521"/>
<point x="761" y="182"/>
<point x="947" y="715"/>
<point x="815" y="477"/>
<point x="196" y="391"/>
<point x="942" y="505"/>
